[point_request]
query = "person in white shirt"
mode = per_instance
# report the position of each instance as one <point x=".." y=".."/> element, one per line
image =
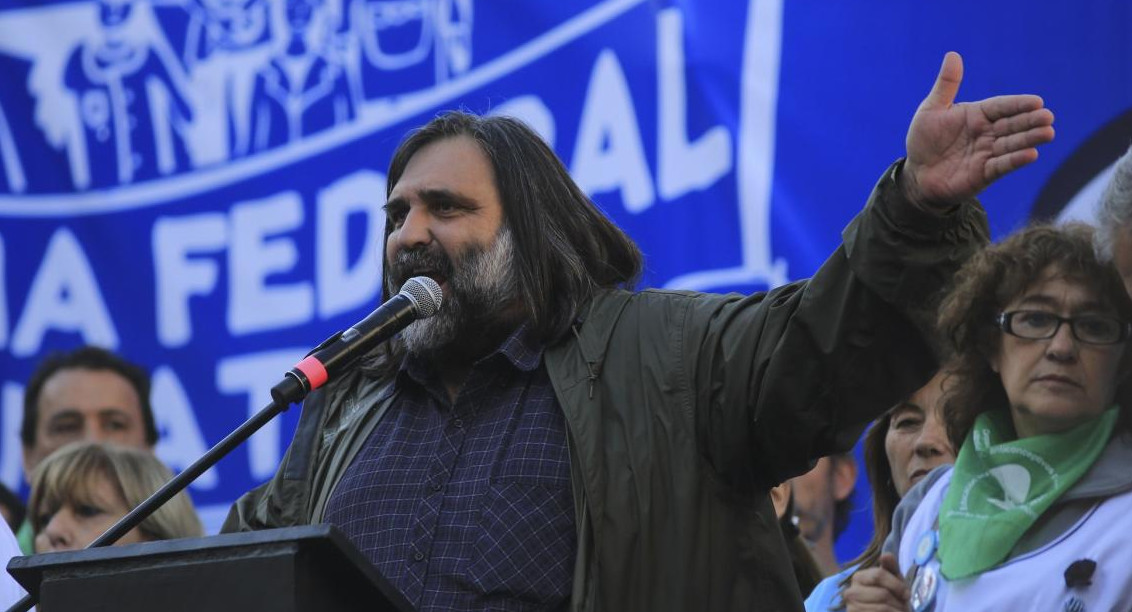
<point x="10" y="590"/>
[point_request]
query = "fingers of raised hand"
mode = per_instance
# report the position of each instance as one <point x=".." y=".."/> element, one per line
<point x="997" y="167"/>
<point x="1000" y="107"/>
<point x="947" y="82"/>
<point x="1008" y="143"/>
<point x="1023" y="121"/>
<point x="1016" y="137"/>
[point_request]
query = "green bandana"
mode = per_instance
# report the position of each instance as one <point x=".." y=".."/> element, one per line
<point x="1000" y="486"/>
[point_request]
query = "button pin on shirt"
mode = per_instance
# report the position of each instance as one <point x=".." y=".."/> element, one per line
<point x="1080" y="573"/>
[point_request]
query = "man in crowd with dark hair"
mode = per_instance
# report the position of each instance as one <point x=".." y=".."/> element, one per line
<point x="87" y="394"/>
<point x="551" y="439"/>
<point x="823" y="498"/>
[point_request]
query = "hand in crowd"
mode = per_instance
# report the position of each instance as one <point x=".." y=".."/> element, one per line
<point x="877" y="589"/>
<point x="957" y="150"/>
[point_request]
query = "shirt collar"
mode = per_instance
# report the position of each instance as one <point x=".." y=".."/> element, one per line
<point x="521" y="348"/>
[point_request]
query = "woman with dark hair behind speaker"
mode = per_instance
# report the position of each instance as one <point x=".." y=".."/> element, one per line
<point x="901" y="448"/>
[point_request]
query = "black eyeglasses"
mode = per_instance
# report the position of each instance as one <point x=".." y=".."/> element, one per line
<point x="1040" y="325"/>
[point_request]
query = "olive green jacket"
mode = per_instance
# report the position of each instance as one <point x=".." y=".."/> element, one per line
<point x="683" y="409"/>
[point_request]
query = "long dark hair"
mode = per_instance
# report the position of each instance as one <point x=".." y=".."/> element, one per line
<point x="566" y="248"/>
<point x="993" y="278"/>
<point x="885" y="497"/>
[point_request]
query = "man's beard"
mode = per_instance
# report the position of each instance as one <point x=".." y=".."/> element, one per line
<point x="480" y="304"/>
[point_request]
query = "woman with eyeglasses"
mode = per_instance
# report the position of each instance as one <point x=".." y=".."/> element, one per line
<point x="1036" y="513"/>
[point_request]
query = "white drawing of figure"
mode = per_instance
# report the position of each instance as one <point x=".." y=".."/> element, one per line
<point x="225" y="25"/>
<point x="131" y="105"/>
<point x="226" y="43"/>
<point x="301" y="91"/>
<point x="396" y="35"/>
<point x="453" y="38"/>
<point x="11" y="168"/>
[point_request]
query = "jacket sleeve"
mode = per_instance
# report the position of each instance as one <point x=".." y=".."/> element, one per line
<point x="782" y="378"/>
<point x="283" y="501"/>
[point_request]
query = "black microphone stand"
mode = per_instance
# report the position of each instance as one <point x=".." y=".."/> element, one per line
<point x="420" y="297"/>
<point x="291" y="390"/>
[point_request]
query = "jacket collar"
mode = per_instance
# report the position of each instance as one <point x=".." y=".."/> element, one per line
<point x="1110" y="474"/>
<point x="594" y="329"/>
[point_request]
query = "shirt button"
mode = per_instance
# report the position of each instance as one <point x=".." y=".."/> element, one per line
<point x="458" y="423"/>
<point x="436" y="486"/>
<point x="418" y="556"/>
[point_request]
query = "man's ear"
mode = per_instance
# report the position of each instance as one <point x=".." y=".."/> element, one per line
<point x="780" y="497"/>
<point x="844" y="476"/>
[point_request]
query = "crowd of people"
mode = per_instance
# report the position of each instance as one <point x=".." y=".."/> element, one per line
<point x="88" y="435"/>
<point x="555" y="439"/>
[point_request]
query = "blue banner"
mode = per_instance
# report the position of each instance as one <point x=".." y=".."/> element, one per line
<point x="198" y="184"/>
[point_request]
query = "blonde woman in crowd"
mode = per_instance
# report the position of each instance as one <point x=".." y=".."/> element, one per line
<point x="81" y="490"/>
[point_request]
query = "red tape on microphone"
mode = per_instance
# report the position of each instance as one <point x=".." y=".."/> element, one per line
<point x="314" y="371"/>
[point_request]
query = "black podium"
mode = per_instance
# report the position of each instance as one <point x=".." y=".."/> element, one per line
<point x="311" y="568"/>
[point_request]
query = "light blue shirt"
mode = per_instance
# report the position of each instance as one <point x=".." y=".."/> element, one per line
<point x="826" y="595"/>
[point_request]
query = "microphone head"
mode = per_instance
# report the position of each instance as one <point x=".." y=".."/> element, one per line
<point x="424" y="293"/>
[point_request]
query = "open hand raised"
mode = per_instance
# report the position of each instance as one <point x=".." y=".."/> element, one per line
<point x="957" y="150"/>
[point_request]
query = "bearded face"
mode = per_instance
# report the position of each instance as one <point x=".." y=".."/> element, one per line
<point x="480" y="295"/>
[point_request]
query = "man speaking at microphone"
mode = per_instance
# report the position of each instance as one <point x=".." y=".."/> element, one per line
<point x="552" y="440"/>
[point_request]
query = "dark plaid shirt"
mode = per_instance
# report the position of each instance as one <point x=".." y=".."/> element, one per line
<point x="467" y="506"/>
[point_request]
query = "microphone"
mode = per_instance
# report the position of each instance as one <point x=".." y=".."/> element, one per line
<point x="419" y="298"/>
